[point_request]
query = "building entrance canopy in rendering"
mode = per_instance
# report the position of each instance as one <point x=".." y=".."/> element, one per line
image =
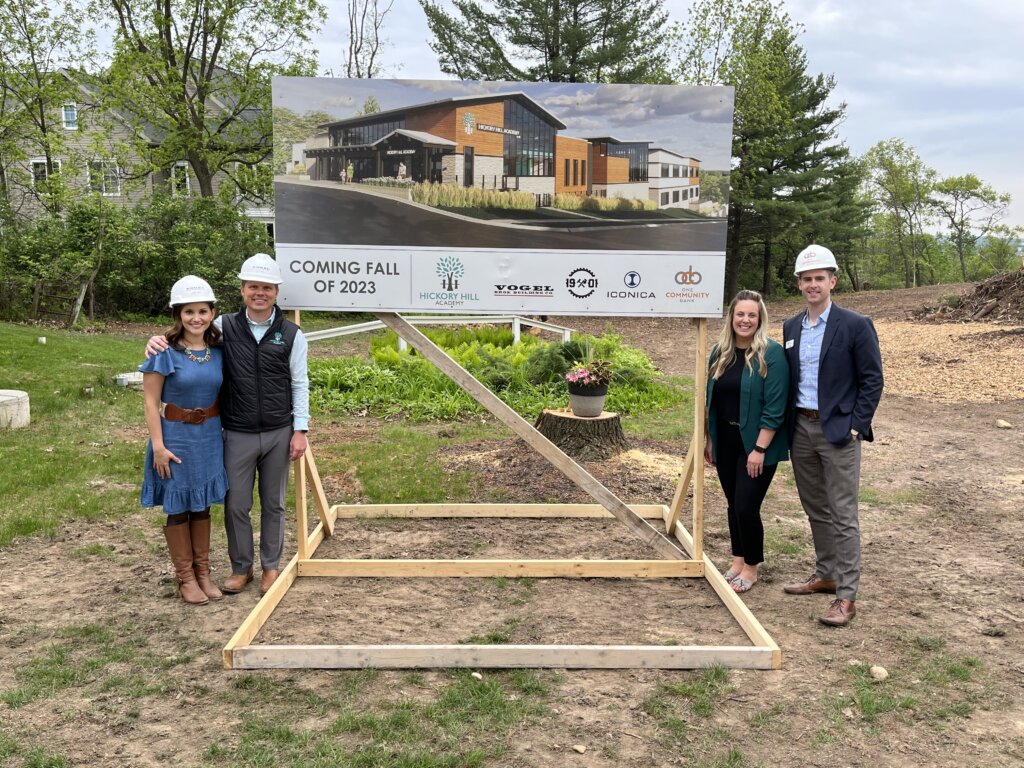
<point x="499" y="197"/>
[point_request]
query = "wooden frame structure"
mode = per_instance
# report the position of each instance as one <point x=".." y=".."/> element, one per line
<point x="685" y="561"/>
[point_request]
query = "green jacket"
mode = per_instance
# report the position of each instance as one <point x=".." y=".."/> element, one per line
<point x="762" y="404"/>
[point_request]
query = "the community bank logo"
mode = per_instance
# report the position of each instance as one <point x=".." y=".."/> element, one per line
<point x="450" y="269"/>
<point x="688" y="279"/>
<point x="632" y="282"/>
<point x="688" y="276"/>
<point x="468" y="123"/>
<point x="581" y="282"/>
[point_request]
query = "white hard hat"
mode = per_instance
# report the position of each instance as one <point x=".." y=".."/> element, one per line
<point x="261" y="268"/>
<point x="189" y="289"/>
<point x="815" y="257"/>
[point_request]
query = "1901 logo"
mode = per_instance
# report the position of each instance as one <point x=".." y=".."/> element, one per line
<point x="688" y="277"/>
<point x="581" y="282"/>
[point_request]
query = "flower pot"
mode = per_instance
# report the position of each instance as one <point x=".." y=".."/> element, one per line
<point x="587" y="402"/>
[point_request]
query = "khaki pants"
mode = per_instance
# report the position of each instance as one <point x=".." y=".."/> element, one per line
<point x="828" y="482"/>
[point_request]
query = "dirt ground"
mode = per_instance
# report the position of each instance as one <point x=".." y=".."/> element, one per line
<point x="941" y="520"/>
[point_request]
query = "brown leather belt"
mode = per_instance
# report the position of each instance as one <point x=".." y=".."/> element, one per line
<point x="190" y="415"/>
<point x="809" y="413"/>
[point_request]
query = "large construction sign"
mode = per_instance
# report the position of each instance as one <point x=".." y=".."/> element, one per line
<point x="539" y="198"/>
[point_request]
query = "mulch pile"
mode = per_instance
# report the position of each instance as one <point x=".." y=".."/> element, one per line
<point x="1000" y="299"/>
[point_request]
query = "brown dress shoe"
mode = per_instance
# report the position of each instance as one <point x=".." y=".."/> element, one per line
<point x="236" y="582"/>
<point x="811" y="586"/>
<point x="267" y="580"/>
<point x="839" y="614"/>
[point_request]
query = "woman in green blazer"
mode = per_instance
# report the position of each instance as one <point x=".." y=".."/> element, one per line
<point x="748" y="386"/>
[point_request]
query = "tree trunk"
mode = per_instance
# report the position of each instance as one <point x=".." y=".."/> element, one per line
<point x="766" y="268"/>
<point x="591" y="439"/>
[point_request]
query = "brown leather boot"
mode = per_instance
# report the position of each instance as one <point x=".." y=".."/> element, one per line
<point x="179" y="542"/>
<point x="200" y="532"/>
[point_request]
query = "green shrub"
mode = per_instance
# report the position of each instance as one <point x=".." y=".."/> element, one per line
<point x="529" y="376"/>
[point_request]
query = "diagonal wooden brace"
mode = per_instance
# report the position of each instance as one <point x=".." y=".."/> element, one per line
<point x="559" y="460"/>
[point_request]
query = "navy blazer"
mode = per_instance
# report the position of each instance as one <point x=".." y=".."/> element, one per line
<point x="849" y="373"/>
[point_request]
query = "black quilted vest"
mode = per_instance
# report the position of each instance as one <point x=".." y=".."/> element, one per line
<point x="257" y="392"/>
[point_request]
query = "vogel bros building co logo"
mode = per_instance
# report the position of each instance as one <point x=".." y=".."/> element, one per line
<point x="450" y="269"/>
<point x="522" y="289"/>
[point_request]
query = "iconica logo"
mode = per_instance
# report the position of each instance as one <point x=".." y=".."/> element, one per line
<point x="468" y="123"/>
<point x="581" y="282"/>
<point x="689" y="277"/>
<point x="448" y="269"/>
<point x="631" y="279"/>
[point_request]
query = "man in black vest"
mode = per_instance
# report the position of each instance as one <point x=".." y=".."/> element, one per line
<point x="264" y="409"/>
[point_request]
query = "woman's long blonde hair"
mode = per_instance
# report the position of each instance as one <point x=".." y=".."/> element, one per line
<point x="727" y="339"/>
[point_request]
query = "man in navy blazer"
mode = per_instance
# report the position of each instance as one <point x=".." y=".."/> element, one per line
<point x="835" y="384"/>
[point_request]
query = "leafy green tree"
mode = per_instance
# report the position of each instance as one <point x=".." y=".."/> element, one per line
<point x="36" y="40"/>
<point x="1002" y="252"/>
<point x="569" y="41"/>
<point x="194" y="76"/>
<point x="901" y="186"/>
<point x="789" y="170"/>
<point x="971" y="210"/>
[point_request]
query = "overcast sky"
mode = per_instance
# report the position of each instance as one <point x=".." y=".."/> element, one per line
<point x="945" y="76"/>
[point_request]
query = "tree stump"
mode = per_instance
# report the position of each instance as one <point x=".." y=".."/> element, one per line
<point x="589" y="439"/>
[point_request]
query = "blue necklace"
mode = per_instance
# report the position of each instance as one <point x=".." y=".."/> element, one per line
<point x="195" y="359"/>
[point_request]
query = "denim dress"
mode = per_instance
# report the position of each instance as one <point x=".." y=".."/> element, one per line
<point x="200" y="479"/>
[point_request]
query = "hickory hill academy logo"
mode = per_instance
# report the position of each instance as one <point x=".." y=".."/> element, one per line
<point x="450" y="269"/>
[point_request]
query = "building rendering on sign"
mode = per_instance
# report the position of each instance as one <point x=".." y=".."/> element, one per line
<point x="499" y="141"/>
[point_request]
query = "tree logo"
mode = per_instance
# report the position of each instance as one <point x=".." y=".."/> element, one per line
<point x="468" y="123"/>
<point x="448" y="269"/>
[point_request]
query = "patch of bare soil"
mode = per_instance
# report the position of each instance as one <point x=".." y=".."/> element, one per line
<point x="943" y="490"/>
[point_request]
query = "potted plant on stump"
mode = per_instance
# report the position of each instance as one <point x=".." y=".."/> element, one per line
<point x="588" y="385"/>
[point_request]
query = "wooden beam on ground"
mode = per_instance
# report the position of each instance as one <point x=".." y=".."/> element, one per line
<point x="500" y="657"/>
<point x="553" y="511"/>
<point x="585" y="569"/>
<point x="583" y="479"/>
<point x="259" y="615"/>
<point x="737" y="608"/>
<point x="319" y="497"/>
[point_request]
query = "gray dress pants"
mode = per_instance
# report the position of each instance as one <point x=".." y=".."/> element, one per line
<point x="828" y="482"/>
<point x="245" y="455"/>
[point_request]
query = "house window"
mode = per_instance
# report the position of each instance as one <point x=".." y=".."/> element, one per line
<point x="567" y="171"/>
<point x="575" y="172"/>
<point x="39" y="173"/>
<point x="664" y="198"/>
<point x="664" y="170"/>
<point x="105" y="178"/>
<point x="69" y="117"/>
<point x="583" y="172"/>
<point x="675" y="171"/>
<point x="180" y="182"/>
<point x="675" y="195"/>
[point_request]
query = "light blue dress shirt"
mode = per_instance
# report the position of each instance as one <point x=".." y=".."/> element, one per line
<point x="297" y="365"/>
<point x="811" y="337"/>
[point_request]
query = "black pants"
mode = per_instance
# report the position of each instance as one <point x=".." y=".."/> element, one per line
<point x="743" y="493"/>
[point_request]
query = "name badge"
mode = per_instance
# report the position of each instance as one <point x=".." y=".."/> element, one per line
<point x="789" y="344"/>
